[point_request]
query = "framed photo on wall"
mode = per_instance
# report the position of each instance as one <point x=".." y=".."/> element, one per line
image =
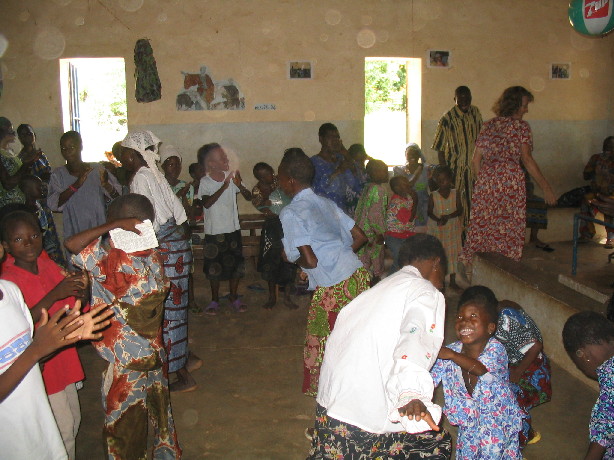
<point x="438" y="59"/>
<point x="560" y="71"/>
<point x="302" y="70"/>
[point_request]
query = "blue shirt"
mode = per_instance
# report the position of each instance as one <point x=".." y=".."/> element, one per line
<point x="311" y="220"/>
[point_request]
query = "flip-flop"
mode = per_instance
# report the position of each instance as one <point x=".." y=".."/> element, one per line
<point x="238" y="306"/>
<point x="212" y="308"/>
<point x="544" y="247"/>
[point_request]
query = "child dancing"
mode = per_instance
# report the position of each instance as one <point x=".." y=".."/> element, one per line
<point x="400" y="217"/>
<point x="222" y="247"/>
<point x="588" y="338"/>
<point x="445" y="210"/>
<point x="322" y="239"/>
<point x="370" y="216"/>
<point x="268" y="198"/>
<point x="135" y="385"/>
<point x="529" y="366"/>
<point x="475" y="377"/>
<point x="44" y="285"/>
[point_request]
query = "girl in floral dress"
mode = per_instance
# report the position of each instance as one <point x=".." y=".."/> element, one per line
<point x="445" y="212"/>
<point x="529" y="366"/>
<point x="475" y="377"/>
<point x="370" y="216"/>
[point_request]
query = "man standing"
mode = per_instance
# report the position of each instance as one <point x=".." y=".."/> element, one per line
<point x="455" y="141"/>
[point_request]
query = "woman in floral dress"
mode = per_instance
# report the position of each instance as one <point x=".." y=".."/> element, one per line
<point x="498" y="209"/>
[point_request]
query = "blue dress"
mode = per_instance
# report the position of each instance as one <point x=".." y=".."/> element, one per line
<point x="489" y="421"/>
<point x="344" y="189"/>
<point x="601" y="426"/>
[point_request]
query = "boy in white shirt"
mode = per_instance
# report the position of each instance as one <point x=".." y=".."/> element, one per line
<point x="222" y="246"/>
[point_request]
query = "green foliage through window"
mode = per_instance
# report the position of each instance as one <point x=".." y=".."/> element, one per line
<point x="385" y="83"/>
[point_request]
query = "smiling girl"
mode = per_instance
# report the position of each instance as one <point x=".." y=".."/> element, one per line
<point x="475" y="377"/>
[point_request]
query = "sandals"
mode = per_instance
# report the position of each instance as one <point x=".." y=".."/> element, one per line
<point x="238" y="306"/>
<point x="544" y="247"/>
<point x="212" y="308"/>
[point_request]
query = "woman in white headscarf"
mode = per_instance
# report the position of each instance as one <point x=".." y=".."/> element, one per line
<point x="139" y="156"/>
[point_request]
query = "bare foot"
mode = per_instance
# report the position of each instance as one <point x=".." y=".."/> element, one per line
<point x="194" y="362"/>
<point x="185" y="382"/>
<point x="270" y="304"/>
<point x="290" y="304"/>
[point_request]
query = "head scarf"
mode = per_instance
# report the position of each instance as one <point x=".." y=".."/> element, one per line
<point x="146" y="143"/>
<point x="167" y="151"/>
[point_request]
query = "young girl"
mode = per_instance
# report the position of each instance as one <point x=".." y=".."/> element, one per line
<point x="588" y="338"/>
<point x="475" y="377"/>
<point x="370" y="216"/>
<point x="444" y="211"/>
<point x="417" y="172"/>
<point x="529" y="366"/>
<point x="400" y="217"/>
<point x="269" y="199"/>
<point x="44" y="286"/>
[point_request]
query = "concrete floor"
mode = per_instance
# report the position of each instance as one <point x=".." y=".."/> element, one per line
<point x="249" y="404"/>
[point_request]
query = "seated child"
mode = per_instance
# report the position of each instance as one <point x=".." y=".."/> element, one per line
<point x="588" y="338"/>
<point x="359" y="155"/>
<point x="529" y="366"/>
<point x="32" y="188"/>
<point x="444" y="211"/>
<point x="30" y="429"/>
<point x="223" y="248"/>
<point x="322" y="239"/>
<point x="475" y="377"/>
<point x="370" y="216"/>
<point x="400" y="217"/>
<point x="44" y="285"/>
<point x="135" y="384"/>
<point x="274" y="269"/>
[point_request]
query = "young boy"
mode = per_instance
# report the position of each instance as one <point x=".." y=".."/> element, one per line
<point x="30" y="429"/>
<point x="135" y="385"/>
<point x="322" y="239"/>
<point x="268" y="198"/>
<point x="223" y="249"/>
<point x="400" y="217"/>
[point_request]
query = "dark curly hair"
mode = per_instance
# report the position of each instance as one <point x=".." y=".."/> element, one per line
<point x="482" y="296"/>
<point x="584" y="328"/>
<point x="422" y="247"/>
<point x="510" y="101"/>
<point x="297" y="165"/>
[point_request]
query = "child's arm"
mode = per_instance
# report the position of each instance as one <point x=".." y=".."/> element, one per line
<point x="358" y="238"/>
<point x="459" y="207"/>
<point x="470" y="365"/>
<point x="307" y="259"/>
<point x="210" y="200"/>
<point x="94" y="320"/>
<point x="50" y="336"/>
<point x="69" y="286"/>
<point x="237" y="180"/>
<point x="79" y="242"/>
<point x="595" y="451"/>
<point x="440" y="220"/>
<point x="414" y="208"/>
<point x="530" y="356"/>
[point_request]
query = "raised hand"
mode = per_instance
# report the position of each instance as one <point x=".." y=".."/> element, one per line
<point x="237" y="178"/>
<point x="91" y="322"/>
<point x="51" y="333"/>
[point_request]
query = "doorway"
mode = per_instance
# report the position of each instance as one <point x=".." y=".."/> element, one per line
<point x="94" y="103"/>
<point x="393" y="107"/>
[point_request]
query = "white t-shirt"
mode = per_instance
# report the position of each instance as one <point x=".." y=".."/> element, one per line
<point x="166" y="204"/>
<point x="223" y="216"/>
<point x="378" y="357"/>
<point x="29" y="430"/>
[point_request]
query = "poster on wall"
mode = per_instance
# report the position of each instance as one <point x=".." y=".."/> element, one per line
<point x="201" y="92"/>
<point x="302" y="70"/>
<point x="438" y="59"/>
<point x="560" y="71"/>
